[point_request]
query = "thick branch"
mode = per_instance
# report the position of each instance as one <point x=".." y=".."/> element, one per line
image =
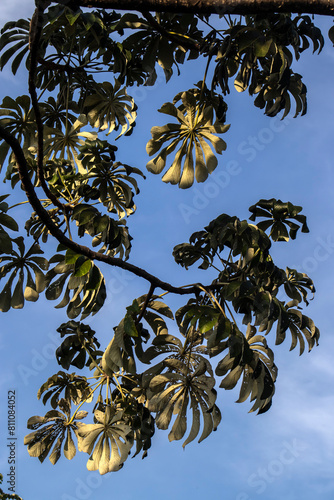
<point x="324" y="7"/>
<point x="63" y="239"/>
<point x="34" y="38"/>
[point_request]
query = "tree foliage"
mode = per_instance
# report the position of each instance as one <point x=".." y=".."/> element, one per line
<point x="160" y="367"/>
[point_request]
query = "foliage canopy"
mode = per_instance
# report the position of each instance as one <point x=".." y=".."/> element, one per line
<point x="160" y="367"/>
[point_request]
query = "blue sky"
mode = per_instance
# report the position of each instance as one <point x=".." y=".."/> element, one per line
<point x="287" y="452"/>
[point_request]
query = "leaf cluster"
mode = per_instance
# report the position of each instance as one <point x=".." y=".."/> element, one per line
<point x="177" y="391"/>
<point x="256" y="52"/>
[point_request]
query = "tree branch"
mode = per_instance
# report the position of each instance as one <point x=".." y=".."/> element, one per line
<point x="323" y="7"/>
<point x="64" y="240"/>
<point x="147" y="300"/>
<point x="36" y="26"/>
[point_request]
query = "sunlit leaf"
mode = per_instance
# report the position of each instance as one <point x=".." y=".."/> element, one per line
<point x="108" y="441"/>
<point x="194" y="136"/>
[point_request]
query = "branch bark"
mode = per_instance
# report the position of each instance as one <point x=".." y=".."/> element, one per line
<point x="240" y="7"/>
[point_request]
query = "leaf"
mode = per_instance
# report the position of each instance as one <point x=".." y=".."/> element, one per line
<point x="49" y="439"/>
<point x="194" y="157"/>
<point x="161" y="308"/>
<point x="75" y="389"/>
<point x="85" y="290"/>
<point x="111" y="107"/>
<point x="331" y="34"/>
<point x="130" y="326"/>
<point x="20" y="264"/>
<point x="108" y="442"/>
<point x="280" y="215"/>
<point x="30" y="294"/>
<point x="172" y="391"/>
<point x="7" y="221"/>
<point x="79" y="346"/>
<point x="82" y="266"/>
<point x="69" y="446"/>
<point x="112" y="357"/>
<point x="251" y="357"/>
<point x="64" y="144"/>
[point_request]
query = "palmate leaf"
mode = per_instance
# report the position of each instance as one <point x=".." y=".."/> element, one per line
<point x="278" y="99"/>
<point x="64" y="144"/>
<point x="36" y="228"/>
<point x="55" y="114"/>
<point x="51" y="437"/>
<point x="21" y="266"/>
<point x="297" y="285"/>
<point x="178" y="388"/>
<point x="271" y="310"/>
<point x="112" y="234"/>
<point x="114" y="186"/>
<point x="278" y="215"/>
<point x="79" y="346"/>
<point x="191" y="349"/>
<point x="184" y="377"/>
<point x="237" y="236"/>
<point x="112" y="183"/>
<point x="251" y="357"/>
<point x="17" y="117"/>
<point x="97" y="152"/>
<point x="8" y="222"/>
<point x="301" y="328"/>
<point x="75" y="387"/>
<point x="111" y="107"/>
<point x="83" y="282"/>
<point x="15" y="39"/>
<point x="108" y="441"/>
<point x="274" y="87"/>
<point x="194" y="136"/>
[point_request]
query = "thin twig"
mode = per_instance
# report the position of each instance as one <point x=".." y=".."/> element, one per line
<point x="147" y="300"/>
